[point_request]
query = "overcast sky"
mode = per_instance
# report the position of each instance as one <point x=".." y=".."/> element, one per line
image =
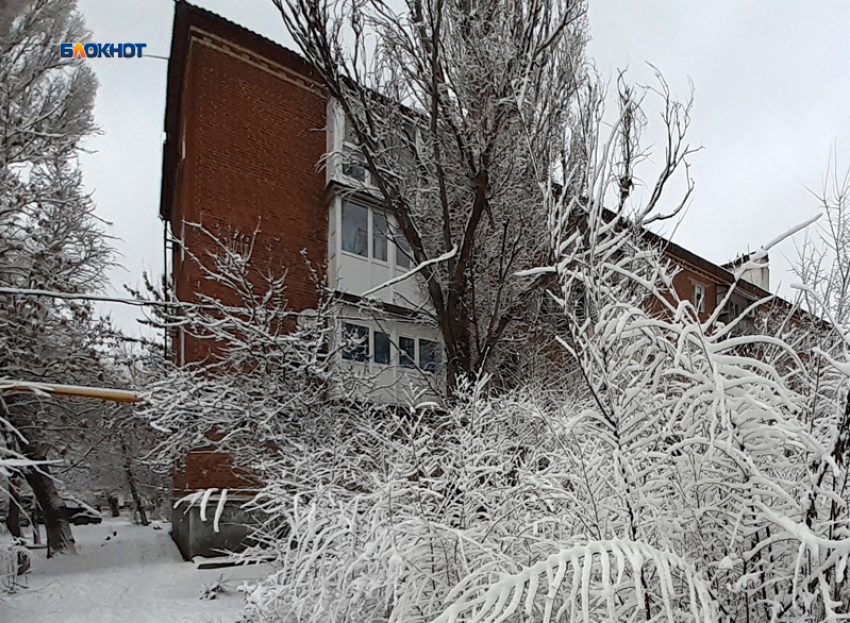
<point x="772" y="95"/>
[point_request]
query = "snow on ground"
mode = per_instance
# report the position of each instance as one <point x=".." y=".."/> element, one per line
<point x="124" y="573"/>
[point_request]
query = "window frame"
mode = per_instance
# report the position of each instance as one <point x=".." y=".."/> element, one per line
<point x="404" y="355"/>
<point x="350" y="152"/>
<point x="389" y="346"/>
<point x="396" y="354"/>
<point x="698" y="301"/>
<point x="393" y="250"/>
<point x="436" y="355"/>
<point x="342" y="230"/>
<point x="352" y="354"/>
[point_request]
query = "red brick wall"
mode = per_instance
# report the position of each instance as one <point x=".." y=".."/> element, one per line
<point x="253" y="141"/>
<point x="254" y="135"/>
<point x="205" y="469"/>
<point x="684" y="282"/>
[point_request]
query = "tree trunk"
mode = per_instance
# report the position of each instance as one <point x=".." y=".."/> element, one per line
<point x="13" y="520"/>
<point x="134" y="488"/>
<point x="60" y="540"/>
<point x="113" y="505"/>
<point x="36" y="533"/>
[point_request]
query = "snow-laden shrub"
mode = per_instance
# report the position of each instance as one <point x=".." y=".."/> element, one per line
<point x="698" y="471"/>
<point x="408" y="504"/>
<point x="443" y="505"/>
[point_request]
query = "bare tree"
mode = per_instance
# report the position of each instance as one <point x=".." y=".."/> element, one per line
<point x="49" y="236"/>
<point x="456" y="109"/>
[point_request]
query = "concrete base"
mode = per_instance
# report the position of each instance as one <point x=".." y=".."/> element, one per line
<point x="195" y="537"/>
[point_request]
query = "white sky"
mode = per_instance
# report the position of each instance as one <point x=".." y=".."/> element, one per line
<point x="772" y="90"/>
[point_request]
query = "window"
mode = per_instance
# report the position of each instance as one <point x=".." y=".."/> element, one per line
<point x="354" y="164"/>
<point x="356" y="342"/>
<point x="355" y="229"/>
<point x="699" y="298"/>
<point x="407" y="352"/>
<point x="429" y="355"/>
<point x="382" y="347"/>
<point x="366" y="232"/>
<point x="402" y="251"/>
<point x="379" y="236"/>
<point x="581" y="309"/>
<point x="363" y="344"/>
<point x="353" y="160"/>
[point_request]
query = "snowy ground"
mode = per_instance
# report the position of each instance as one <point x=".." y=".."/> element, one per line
<point x="133" y="577"/>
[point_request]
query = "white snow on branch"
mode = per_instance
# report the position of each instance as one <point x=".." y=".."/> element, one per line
<point x="752" y="261"/>
<point x="413" y="271"/>
<point x="219" y="509"/>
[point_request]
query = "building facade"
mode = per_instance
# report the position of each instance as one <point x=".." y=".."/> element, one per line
<point x="248" y="125"/>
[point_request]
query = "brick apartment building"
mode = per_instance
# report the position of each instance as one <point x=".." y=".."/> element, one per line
<point x="247" y="124"/>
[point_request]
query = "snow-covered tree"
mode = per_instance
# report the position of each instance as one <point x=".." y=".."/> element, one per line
<point x="696" y="471"/>
<point x="717" y="486"/>
<point x="50" y="238"/>
<point x="266" y="383"/>
<point x="451" y="107"/>
<point x="482" y="504"/>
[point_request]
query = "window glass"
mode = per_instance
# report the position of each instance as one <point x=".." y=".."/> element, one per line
<point x="382" y="347"/>
<point x="429" y="355"/>
<point x="350" y="136"/>
<point x="407" y="352"/>
<point x="379" y="236"/>
<point x="355" y="229"/>
<point x="402" y="251"/>
<point x="699" y="298"/>
<point x="353" y="163"/>
<point x="356" y="342"/>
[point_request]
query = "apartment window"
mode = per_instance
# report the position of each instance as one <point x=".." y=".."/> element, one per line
<point x="358" y="339"/>
<point x="699" y="298"/>
<point x="407" y="352"/>
<point x="429" y="355"/>
<point x="402" y="251"/>
<point x="356" y="342"/>
<point x="355" y="228"/>
<point x="353" y="161"/>
<point x="382" y="347"/>
<point x="379" y="236"/>
<point x="366" y="232"/>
